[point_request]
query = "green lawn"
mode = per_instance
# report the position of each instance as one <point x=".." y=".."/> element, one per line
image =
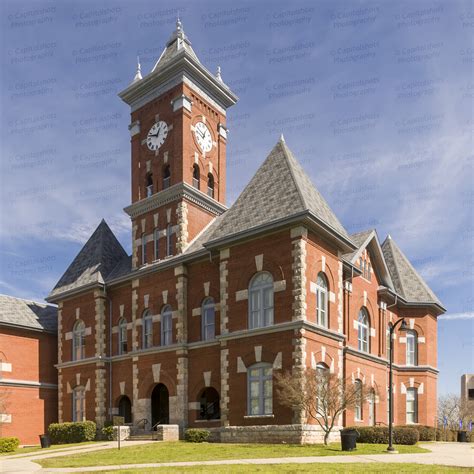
<point x="297" y="468"/>
<point x="54" y="447"/>
<point x="181" y="451"/>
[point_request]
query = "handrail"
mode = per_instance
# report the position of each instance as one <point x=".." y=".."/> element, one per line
<point x="153" y="429"/>
<point x="145" y="422"/>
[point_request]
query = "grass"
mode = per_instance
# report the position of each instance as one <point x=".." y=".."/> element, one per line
<point x="181" y="451"/>
<point x="54" y="447"/>
<point x="297" y="468"/>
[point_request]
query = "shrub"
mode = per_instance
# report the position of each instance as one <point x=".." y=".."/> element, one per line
<point x="379" y="434"/>
<point x="108" y="432"/>
<point x="76" y="432"/>
<point x="8" y="445"/>
<point x="451" y="435"/>
<point x="427" y="433"/>
<point x="195" y="435"/>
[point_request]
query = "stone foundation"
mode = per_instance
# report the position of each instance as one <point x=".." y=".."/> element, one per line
<point x="167" y="433"/>
<point x="277" y="434"/>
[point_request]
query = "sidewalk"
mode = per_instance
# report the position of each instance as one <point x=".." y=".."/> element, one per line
<point x="447" y="454"/>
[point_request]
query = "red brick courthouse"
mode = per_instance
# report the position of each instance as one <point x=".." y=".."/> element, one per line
<point x="191" y="328"/>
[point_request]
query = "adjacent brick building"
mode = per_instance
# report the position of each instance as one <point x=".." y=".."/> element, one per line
<point x="191" y="328"/>
<point x="28" y="377"/>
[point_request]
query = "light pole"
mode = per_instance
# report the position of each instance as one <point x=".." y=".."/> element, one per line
<point x="391" y="327"/>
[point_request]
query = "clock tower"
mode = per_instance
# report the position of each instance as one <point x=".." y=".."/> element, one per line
<point x="178" y="145"/>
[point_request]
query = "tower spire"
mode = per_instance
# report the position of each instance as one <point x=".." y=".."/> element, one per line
<point x="138" y="74"/>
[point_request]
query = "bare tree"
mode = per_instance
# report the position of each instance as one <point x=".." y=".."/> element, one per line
<point x="4" y="396"/>
<point x="453" y="409"/>
<point x="319" y="395"/>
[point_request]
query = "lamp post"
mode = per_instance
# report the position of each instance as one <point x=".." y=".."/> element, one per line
<point x="403" y="327"/>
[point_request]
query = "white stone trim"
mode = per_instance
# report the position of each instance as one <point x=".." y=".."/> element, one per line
<point x="332" y="297"/>
<point x="122" y="388"/>
<point x="5" y="418"/>
<point x="278" y="363"/>
<point x="242" y="295"/>
<point x="207" y="378"/>
<point x="207" y="286"/>
<point x="121" y="308"/>
<point x="299" y="231"/>
<point x="402" y="340"/>
<point x="259" y="262"/>
<point x="194" y="405"/>
<point x="241" y="368"/>
<point x="5" y="367"/>
<point x="88" y="331"/>
<point x="115" y="330"/>
<point x="279" y="286"/>
<point x="323" y="263"/>
<point x="196" y="311"/>
<point x="156" y="318"/>
<point x="68" y="336"/>
<point x="146" y="299"/>
<point x="134" y="128"/>
<point x="421" y="339"/>
<point x="372" y="332"/>
<point x="156" y="369"/>
<point x="164" y="294"/>
<point x="258" y="353"/>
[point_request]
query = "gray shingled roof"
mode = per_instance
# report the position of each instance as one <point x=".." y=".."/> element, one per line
<point x="177" y="44"/>
<point x="279" y="189"/>
<point x="28" y="314"/>
<point x="96" y="260"/>
<point x="406" y="280"/>
<point x="359" y="239"/>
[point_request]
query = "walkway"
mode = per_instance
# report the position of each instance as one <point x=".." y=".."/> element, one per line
<point x="447" y="454"/>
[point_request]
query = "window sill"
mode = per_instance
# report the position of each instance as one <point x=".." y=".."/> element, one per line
<point x="218" y="420"/>
<point x="258" y="416"/>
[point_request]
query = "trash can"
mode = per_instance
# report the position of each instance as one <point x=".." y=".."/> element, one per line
<point x="462" y="436"/>
<point x="45" y="441"/>
<point x="348" y="439"/>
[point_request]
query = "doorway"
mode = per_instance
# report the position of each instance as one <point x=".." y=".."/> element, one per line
<point x="160" y="405"/>
<point x="125" y="409"/>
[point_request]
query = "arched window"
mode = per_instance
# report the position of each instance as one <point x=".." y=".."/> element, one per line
<point x="371" y="401"/>
<point x="143" y="249"/>
<point x="209" y="404"/>
<point x="78" y="340"/>
<point x="260" y="389"/>
<point x="412" y="405"/>
<point x="79" y="404"/>
<point x="358" y="400"/>
<point x="210" y="185"/>
<point x="412" y="347"/>
<point x="122" y="336"/>
<point x="322" y="300"/>
<point x="169" y="240"/>
<point x="149" y="184"/>
<point x="156" y="240"/>
<point x="322" y="384"/>
<point x="147" y="321"/>
<point x="208" y="313"/>
<point x="166" y="326"/>
<point x="166" y="177"/>
<point x="196" y="176"/>
<point x="261" y="300"/>
<point x="363" y="330"/>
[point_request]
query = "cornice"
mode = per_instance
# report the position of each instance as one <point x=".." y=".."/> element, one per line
<point x="174" y="193"/>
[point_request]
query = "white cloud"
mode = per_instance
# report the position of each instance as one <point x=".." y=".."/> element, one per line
<point x="452" y="316"/>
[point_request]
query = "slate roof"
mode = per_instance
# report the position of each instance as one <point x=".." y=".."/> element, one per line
<point x="359" y="239"/>
<point x="406" y="280"/>
<point x="177" y="44"/>
<point x="96" y="260"/>
<point x="279" y="189"/>
<point x="28" y="314"/>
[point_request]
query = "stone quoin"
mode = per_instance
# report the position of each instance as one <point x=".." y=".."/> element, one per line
<point x="191" y="328"/>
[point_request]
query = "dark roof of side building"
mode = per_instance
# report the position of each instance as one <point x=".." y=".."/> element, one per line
<point x="28" y="314"/>
<point x="96" y="260"/>
<point x="406" y="280"/>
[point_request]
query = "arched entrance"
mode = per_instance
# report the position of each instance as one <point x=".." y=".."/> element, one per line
<point x="125" y="409"/>
<point x="209" y="404"/>
<point x="160" y="405"/>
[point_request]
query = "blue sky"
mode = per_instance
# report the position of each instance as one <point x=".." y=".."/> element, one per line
<point x="374" y="98"/>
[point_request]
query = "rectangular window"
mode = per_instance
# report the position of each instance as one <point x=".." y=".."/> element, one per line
<point x="358" y="404"/>
<point x="169" y="240"/>
<point x="208" y="323"/>
<point x="143" y="249"/>
<point x="78" y="405"/>
<point x="166" y="330"/>
<point x="412" y="405"/>
<point x="123" y="339"/>
<point x="147" y="332"/>
<point x="156" y="240"/>
<point x="260" y="390"/>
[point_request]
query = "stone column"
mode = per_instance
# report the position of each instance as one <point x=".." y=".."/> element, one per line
<point x="224" y="284"/>
<point x="182" y="230"/>
<point x="181" y="300"/>
<point x="225" y="393"/>
<point x="100" y="372"/>
<point x="299" y="234"/>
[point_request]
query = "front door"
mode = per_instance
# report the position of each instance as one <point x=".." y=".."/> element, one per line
<point x="160" y="405"/>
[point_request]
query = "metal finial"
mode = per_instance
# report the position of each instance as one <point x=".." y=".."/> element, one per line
<point x="138" y="74"/>
<point x="218" y="74"/>
<point x="282" y="138"/>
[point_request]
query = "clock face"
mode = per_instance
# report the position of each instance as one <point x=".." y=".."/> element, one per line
<point x="157" y="135"/>
<point x="203" y="136"/>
